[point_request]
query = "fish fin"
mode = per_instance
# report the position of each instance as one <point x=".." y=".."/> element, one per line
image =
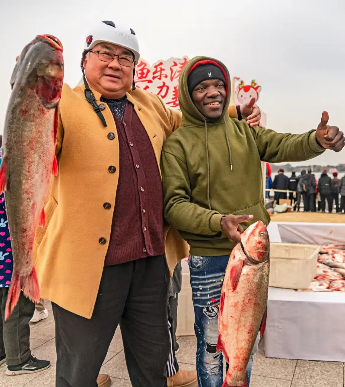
<point x="3" y="175"/>
<point x="56" y="123"/>
<point x="235" y="274"/>
<point x="263" y="324"/>
<point x="42" y="222"/>
<point x="30" y="286"/>
<point x="13" y="295"/>
<point x="55" y="166"/>
<point x="219" y="344"/>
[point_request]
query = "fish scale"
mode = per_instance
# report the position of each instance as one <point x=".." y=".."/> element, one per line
<point x="243" y="302"/>
<point x="29" y="155"/>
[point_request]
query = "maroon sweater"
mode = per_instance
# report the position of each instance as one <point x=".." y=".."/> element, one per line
<point x="137" y="228"/>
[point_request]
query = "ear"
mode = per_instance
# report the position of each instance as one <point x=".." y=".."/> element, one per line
<point x="85" y="61"/>
<point x="258" y="89"/>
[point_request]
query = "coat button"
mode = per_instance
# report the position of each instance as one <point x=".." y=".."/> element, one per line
<point x="144" y="250"/>
<point x="101" y="106"/>
<point x="111" y="136"/>
<point x="112" y="169"/>
<point x="107" y="206"/>
<point x="102" y="241"/>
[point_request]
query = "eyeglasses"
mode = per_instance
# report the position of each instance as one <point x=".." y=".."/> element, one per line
<point x="106" y="56"/>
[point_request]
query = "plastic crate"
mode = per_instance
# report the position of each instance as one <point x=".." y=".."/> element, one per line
<point x="292" y="265"/>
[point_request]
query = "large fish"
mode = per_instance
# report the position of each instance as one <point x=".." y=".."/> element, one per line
<point x="243" y="302"/>
<point x="29" y="154"/>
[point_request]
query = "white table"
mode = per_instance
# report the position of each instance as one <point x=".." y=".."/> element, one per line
<point x="300" y="232"/>
<point x="302" y="325"/>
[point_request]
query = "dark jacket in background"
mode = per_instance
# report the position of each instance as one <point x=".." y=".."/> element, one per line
<point x="325" y="185"/>
<point x="293" y="180"/>
<point x="281" y="182"/>
<point x="342" y="186"/>
<point x="336" y="185"/>
<point x="311" y="182"/>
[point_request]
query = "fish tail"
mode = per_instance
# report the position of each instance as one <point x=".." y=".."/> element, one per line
<point x="13" y="295"/>
<point x="28" y="284"/>
<point x="3" y="175"/>
<point x="42" y="222"/>
<point x="55" y="166"/>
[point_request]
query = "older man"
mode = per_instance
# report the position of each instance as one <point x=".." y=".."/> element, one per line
<point x="101" y="259"/>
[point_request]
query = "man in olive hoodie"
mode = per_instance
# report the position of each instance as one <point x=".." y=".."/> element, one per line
<point x="211" y="168"/>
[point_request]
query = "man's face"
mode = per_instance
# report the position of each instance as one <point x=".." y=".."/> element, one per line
<point x="209" y="97"/>
<point x="110" y="79"/>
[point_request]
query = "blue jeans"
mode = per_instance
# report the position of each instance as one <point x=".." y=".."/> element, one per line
<point x="206" y="278"/>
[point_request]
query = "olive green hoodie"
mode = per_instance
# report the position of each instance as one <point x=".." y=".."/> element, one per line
<point x="211" y="169"/>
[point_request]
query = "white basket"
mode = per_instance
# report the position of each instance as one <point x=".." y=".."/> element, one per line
<point x="293" y="265"/>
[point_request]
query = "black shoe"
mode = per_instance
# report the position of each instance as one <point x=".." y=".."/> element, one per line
<point x="31" y="366"/>
<point x="2" y="360"/>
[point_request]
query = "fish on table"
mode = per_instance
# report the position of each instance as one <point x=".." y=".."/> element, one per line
<point x="29" y="154"/>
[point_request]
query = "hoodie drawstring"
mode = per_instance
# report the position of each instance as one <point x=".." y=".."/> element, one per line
<point x="208" y="167"/>
<point x="208" y="159"/>
<point x="228" y="144"/>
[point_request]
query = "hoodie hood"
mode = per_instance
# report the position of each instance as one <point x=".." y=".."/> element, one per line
<point x="190" y="114"/>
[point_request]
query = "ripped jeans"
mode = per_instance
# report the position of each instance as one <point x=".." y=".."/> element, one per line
<point x="206" y="278"/>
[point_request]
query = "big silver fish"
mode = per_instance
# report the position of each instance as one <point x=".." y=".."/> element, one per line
<point x="243" y="302"/>
<point x="29" y="154"/>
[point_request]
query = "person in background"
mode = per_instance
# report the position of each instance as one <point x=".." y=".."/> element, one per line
<point x="335" y="191"/>
<point x="268" y="180"/>
<point x="40" y="313"/>
<point x="325" y="189"/>
<point x="303" y="189"/>
<point x="312" y="195"/>
<point x="280" y="182"/>
<point x="15" y="331"/>
<point x="293" y="188"/>
<point x="342" y="194"/>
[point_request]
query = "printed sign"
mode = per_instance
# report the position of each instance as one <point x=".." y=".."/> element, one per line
<point x="161" y="78"/>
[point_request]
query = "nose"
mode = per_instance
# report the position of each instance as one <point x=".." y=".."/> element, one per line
<point x="114" y="64"/>
<point x="212" y="92"/>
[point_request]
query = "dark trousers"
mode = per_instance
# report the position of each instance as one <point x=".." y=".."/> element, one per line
<point x="329" y="199"/>
<point x="134" y="295"/>
<point x="279" y="195"/>
<point x="336" y="201"/>
<point x="342" y="203"/>
<point x="312" y="202"/>
<point x="293" y="197"/>
<point x="306" y="201"/>
<point x="298" y="201"/>
<point x="15" y="331"/>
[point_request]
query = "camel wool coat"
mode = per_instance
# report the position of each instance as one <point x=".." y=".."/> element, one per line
<point x="68" y="256"/>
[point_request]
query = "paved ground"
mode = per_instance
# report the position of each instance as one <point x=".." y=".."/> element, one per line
<point x="266" y="372"/>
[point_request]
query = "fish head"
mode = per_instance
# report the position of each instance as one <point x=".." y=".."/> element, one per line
<point x="255" y="242"/>
<point x="40" y="68"/>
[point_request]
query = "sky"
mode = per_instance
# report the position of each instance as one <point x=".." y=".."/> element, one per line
<point x="293" y="49"/>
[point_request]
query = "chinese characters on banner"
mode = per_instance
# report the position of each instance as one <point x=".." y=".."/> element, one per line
<point x="161" y="78"/>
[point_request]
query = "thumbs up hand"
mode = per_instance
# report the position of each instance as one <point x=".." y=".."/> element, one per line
<point x="329" y="137"/>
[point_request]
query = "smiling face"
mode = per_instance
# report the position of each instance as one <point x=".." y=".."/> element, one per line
<point x="209" y="98"/>
<point x="110" y="79"/>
